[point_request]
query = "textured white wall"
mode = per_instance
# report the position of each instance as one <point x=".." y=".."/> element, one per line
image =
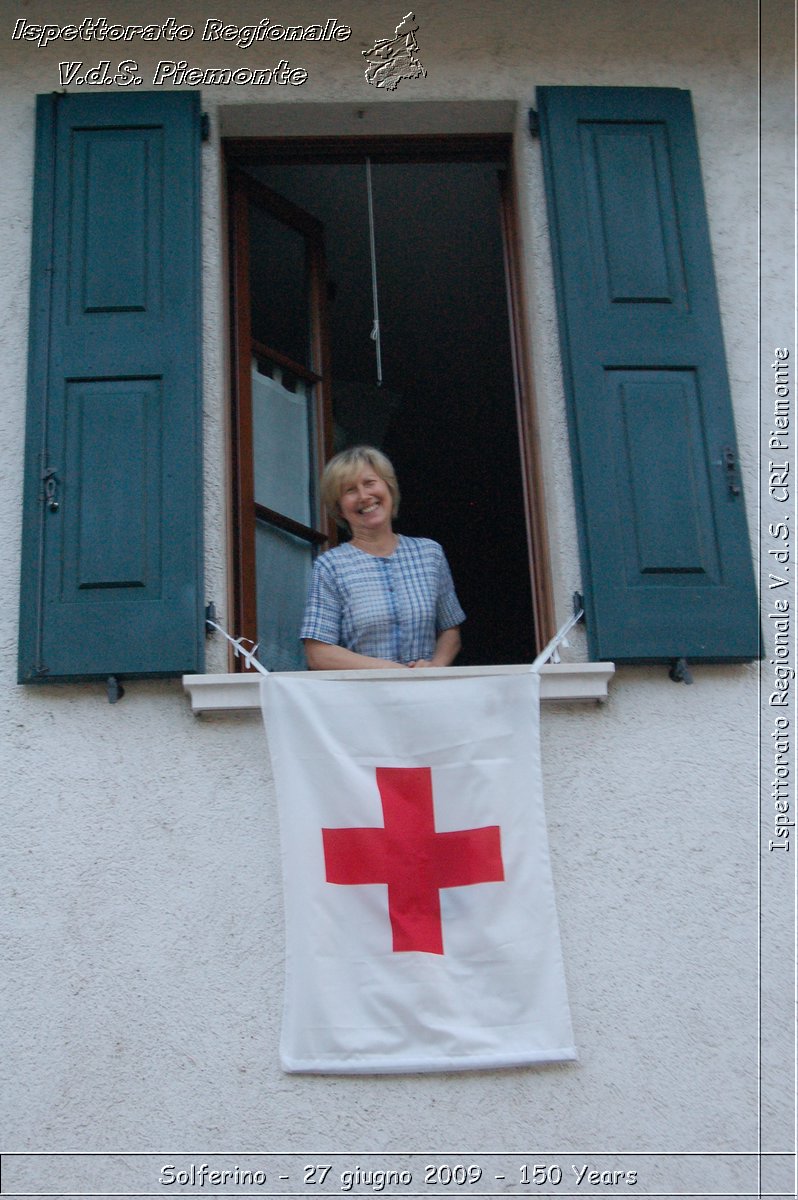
<point x="142" y="966"/>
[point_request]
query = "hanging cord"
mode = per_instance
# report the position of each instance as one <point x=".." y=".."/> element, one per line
<point x="375" y="329"/>
<point x="251" y="661"/>
<point x="240" y="650"/>
<point x="550" y="651"/>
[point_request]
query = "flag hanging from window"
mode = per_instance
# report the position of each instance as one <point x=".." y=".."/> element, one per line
<point x="421" y="930"/>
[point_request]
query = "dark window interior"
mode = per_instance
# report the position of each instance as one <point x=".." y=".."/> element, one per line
<point x="445" y="410"/>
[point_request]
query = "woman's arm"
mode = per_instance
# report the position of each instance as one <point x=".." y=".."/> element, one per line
<point x="447" y="647"/>
<point x="323" y="657"/>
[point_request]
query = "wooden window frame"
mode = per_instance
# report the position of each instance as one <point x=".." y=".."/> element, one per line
<point x="245" y="510"/>
<point x="412" y="148"/>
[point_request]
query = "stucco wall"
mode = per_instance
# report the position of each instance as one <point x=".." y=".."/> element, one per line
<point x="144" y="951"/>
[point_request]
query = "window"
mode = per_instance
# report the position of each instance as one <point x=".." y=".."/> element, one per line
<point x="112" y="546"/>
<point x="439" y="393"/>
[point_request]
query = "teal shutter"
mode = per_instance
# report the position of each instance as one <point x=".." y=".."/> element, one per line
<point x="666" y="558"/>
<point x="111" y="570"/>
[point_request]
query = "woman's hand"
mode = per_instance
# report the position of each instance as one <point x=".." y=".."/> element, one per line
<point x="447" y="648"/>
<point x="323" y="657"/>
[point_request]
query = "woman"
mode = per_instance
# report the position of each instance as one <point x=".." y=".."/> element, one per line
<point x="381" y="599"/>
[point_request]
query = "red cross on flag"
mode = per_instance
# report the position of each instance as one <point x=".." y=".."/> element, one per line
<point x="421" y="932"/>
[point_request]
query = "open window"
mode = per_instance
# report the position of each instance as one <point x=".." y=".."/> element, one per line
<point x="111" y="579"/>
<point x="439" y="392"/>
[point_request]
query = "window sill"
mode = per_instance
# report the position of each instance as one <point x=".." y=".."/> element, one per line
<point x="560" y="682"/>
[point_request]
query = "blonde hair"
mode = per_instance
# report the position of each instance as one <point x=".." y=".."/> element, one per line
<point x="344" y="466"/>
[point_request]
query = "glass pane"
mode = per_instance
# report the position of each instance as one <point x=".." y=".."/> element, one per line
<point x="279" y="285"/>
<point x="283" y="564"/>
<point x="281" y="425"/>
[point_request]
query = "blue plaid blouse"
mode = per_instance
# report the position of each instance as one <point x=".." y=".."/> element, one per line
<point x="392" y="608"/>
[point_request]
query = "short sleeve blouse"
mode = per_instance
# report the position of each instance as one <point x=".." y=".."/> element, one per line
<point x="392" y="607"/>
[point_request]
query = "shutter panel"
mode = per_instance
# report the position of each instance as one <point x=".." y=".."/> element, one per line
<point x="666" y="558"/>
<point x="111" y="572"/>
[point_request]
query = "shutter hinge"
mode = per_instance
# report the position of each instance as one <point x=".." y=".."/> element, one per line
<point x="534" y="123"/>
<point x="732" y="474"/>
<point x="578" y="602"/>
<point x="205" y="127"/>
<point x="210" y="619"/>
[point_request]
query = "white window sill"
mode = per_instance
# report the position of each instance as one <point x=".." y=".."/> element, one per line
<point x="560" y="682"/>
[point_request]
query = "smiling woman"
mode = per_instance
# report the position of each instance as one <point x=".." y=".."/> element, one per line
<point x="380" y="599"/>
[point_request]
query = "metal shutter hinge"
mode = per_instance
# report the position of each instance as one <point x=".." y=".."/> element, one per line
<point x="732" y="473"/>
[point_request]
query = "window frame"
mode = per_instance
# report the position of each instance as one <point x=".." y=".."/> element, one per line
<point x="431" y="148"/>
<point x="244" y="509"/>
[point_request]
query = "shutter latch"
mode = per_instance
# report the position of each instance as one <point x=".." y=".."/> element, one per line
<point x="50" y="481"/>
<point x="732" y="473"/>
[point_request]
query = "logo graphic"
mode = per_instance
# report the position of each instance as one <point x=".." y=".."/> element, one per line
<point x="393" y="59"/>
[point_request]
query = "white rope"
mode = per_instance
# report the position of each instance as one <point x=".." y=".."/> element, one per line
<point x="560" y="637"/>
<point x="240" y="650"/>
<point x="375" y="329"/>
<point x="548" y="652"/>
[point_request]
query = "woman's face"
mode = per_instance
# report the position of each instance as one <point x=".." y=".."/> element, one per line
<point x="365" y="502"/>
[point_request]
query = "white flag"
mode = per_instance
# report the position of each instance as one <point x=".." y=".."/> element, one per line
<point x="421" y="931"/>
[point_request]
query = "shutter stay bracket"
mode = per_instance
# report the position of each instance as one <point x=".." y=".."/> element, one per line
<point x="680" y="671"/>
<point x="114" y="689"/>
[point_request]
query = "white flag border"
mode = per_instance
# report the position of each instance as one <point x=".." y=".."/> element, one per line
<point x="373" y="1063"/>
